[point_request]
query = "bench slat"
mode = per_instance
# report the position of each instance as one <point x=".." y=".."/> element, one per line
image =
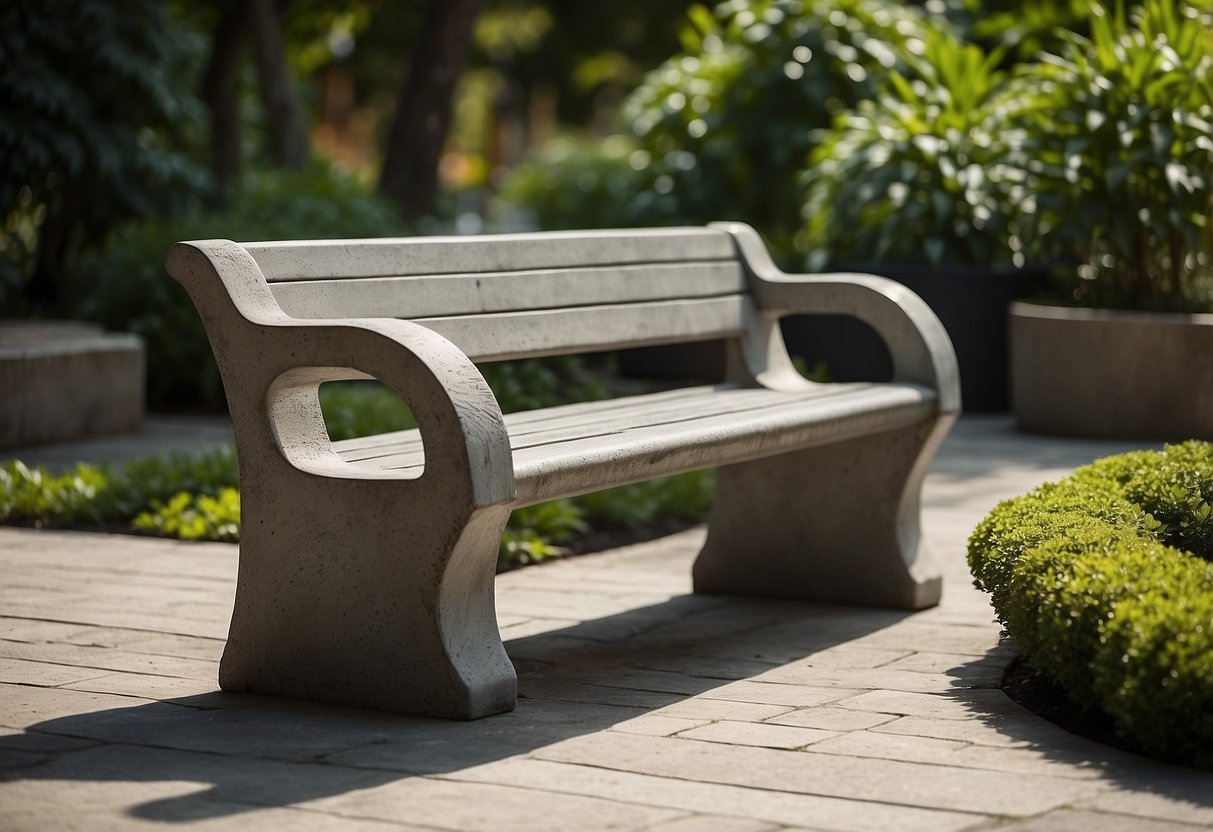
<point x="488" y="292"/>
<point x="506" y="335"/>
<point x="322" y="259"/>
<point x="577" y="467"/>
<point x="717" y="426"/>
<point x="605" y="420"/>
<point x="528" y="417"/>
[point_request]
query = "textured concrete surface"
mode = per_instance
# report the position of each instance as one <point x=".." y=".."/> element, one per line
<point x="327" y="609"/>
<point x="643" y="707"/>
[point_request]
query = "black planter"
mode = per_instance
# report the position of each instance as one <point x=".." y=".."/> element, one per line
<point x="970" y="301"/>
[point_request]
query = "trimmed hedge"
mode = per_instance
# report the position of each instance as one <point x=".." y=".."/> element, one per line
<point x="1105" y="583"/>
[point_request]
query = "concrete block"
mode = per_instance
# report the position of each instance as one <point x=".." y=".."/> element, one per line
<point x="67" y="380"/>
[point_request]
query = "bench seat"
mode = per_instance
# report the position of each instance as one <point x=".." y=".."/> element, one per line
<point x="578" y="448"/>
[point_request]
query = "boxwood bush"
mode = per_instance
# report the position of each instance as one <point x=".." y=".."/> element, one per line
<point x="1105" y="582"/>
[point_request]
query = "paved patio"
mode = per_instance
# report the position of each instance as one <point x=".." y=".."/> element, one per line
<point x="643" y="706"/>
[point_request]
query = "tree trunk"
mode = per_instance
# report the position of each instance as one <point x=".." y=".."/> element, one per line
<point x="221" y="96"/>
<point x="283" y="115"/>
<point x="54" y="237"/>
<point x="423" y="110"/>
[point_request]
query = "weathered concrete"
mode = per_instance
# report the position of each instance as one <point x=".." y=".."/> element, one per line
<point x="1109" y="373"/>
<point x="366" y="569"/>
<point x="643" y="707"/>
<point x="63" y="380"/>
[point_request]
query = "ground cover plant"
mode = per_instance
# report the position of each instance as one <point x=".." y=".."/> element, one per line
<point x="1105" y="582"/>
<point x="196" y="496"/>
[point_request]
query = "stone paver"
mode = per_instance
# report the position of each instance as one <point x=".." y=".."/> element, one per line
<point x="762" y="734"/>
<point x="643" y="707"/>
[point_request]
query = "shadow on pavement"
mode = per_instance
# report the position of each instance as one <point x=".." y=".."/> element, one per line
<point x="222" y="754"/>
<point x="1008" y="725"/>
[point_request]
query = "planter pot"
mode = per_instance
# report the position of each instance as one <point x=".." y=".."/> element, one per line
<point x="1102" y="373"/>
<point x="971" y="302"/>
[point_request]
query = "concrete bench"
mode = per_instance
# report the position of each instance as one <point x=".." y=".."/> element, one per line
<point x="366" y="566"/>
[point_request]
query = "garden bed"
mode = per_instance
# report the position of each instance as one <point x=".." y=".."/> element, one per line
<point x="1103" y="580"/>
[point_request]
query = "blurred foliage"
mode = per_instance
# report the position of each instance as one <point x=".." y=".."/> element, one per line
<point x="123" y="285"/>
<point x="729" y="121"/>
<point x="1120" y="142"/>
<point x="579" y="183"/>
<point x="590" y="54"/>
<point x="99" y="124"/>
<point x="110" y="494"/>
<point x="187" y="516"/>
<point x="722" y="129"/>
<point x="926" y="172"/>
<point x="1026" y="28"/>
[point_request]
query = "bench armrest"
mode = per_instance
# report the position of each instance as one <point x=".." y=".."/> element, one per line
<point x="272" y="366"/>
<point x="919" y="345"/>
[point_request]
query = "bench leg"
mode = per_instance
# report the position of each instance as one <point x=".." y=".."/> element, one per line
<point x="836" y="523"/>
<point x="346" y="606"/>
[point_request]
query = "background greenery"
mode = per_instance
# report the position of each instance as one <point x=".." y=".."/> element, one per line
<point x="970" y="131"/>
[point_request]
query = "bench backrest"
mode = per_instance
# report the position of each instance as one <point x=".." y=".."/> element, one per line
<point x="499" y="297"/>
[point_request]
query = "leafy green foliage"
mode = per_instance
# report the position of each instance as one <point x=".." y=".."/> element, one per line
<point x="685" y="498"/>
<point x="195" y="497"/>
<point x="362" y="408"/>
<point x="124" y="286"/>
<point x="1080" y="575"/>
<point x="722" y="129"/>
<point x="535" y="532"/>
<point x="194" y="517"/>
<point x="584" y="184"/>
<point x="1029" y="27"/>
<point x="110" y="494"/>
<point x="1120" y="142"/>
<point x="97" y="114"/>
<point x="728" y="123"/>
<point x="1177" y="491"/>
<point x="921" y="173"/>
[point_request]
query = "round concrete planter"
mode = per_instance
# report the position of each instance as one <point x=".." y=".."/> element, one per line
<point x="1102" y="373"/>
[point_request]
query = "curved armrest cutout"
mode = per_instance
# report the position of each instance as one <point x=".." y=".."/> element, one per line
<point x="296" y="414"/>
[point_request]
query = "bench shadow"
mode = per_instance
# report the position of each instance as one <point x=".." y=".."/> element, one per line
<point x="221" y="754"/>
<point x="1009" y="726"/>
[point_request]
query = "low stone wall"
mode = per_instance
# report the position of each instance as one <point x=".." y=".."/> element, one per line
<point x="64" y="380"/>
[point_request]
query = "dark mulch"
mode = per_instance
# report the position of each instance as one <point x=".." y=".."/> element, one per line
<point x="1048" y="701"/>
<point x="599" y="540"/>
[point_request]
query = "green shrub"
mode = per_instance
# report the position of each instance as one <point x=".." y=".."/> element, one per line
<point x="921" y="173"/>
<point x="1119" y="132"/>
<point x="728" y="123"/>
<point x="124" y="286"/>
<point x="573" y="183"/>
<point x="1081" y="574"/>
